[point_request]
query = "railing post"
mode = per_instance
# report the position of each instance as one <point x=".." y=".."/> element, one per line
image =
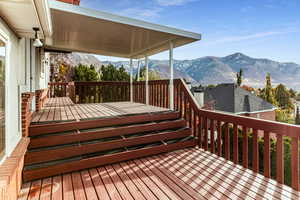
<point x="171" y="85"/>
<point x="147" y="79"/>
<point x="138" y="71"/>
<point x="131" y="81"/>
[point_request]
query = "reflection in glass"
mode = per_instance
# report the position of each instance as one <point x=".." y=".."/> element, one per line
<point x="2" y="98"/>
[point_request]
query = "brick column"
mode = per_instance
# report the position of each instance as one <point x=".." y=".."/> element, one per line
<point x="40" y="98"/>
<point x="26" y="112"/>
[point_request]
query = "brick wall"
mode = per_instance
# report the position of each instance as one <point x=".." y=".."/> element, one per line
<point x="26" y="112"/>
<point x="11" y="172"/>
<point x="75" y="2"/>
<point x="40" y="98"/>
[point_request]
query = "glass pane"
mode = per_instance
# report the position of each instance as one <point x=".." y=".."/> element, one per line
<point x="2" y="98"/>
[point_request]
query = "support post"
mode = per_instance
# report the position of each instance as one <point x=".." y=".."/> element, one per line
<point x="147" y="79"/>
<point x="171" y="85"/>
<point x="131" y="80"/>
<point x="138" y="71"/>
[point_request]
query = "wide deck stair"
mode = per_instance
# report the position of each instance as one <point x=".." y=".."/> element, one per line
<point x="57" y="148"/>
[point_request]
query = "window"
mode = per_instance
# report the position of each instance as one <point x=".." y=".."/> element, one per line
<point x="2" y="98"/>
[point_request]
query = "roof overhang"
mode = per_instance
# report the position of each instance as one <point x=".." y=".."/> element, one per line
<point x="22" y="15"/>
<point x="90" y="31"/>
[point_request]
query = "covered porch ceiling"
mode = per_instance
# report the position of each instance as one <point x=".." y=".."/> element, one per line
<point x="85" y="30"/>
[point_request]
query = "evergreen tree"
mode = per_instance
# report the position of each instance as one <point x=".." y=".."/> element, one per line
<point x="282" y="96"/>
<point x="293" y="93"/>
<point x="268" y="93"/>
<point x="297" y="120"/>
<point x="152" y="75"/>
<point x="239" y="77"/>
<point x="111" y="73"/>
<point x="85" y="73"/>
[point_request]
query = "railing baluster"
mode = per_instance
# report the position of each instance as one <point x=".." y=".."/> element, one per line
<point x="227" y="141"/>
<point x="235" y="144"/>
<point x="195" y="123"/>
<point x="245" y="147"/>
<point x="279" y="159"/>
<point x="267" y="163"/>
<point x="219" y="141"/>
<point x="205" y="134"/>
<point x="212" y="136"/>
<point x="295" y="163"/>
<point x="255" y="162"/>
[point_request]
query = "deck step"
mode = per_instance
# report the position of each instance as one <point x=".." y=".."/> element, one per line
<point x="35" y="130"/>
<point x="102" y="133"/>
<point x="88" y="144"/>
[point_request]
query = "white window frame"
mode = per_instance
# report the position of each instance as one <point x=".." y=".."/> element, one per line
<point x="5" y="38"/>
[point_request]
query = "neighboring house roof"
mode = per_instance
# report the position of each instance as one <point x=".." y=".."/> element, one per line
<point x="231" y="98"/>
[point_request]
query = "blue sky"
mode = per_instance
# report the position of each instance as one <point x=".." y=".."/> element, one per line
<point x="258" y="28"/>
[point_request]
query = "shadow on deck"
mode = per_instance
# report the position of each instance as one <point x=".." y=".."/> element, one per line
<point x="184" y="174"/>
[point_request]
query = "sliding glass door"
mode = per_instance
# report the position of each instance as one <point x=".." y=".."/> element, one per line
<point x="2" y="98"/>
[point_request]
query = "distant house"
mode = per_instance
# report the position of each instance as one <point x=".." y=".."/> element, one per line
<point x="234" y="99"/>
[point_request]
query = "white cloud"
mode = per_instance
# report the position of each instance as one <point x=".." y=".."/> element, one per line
<point x="249" y="37"/>
<point x="142" y="12"/>
<point x="172" y="2"/>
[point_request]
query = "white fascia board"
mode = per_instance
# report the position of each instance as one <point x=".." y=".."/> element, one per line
<point x="43" y="13"/>
<point x="120" y="19"/>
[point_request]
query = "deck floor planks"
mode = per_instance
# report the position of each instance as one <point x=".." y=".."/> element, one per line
<point x="57" y="188"/>
<point x="98" y="184"/>
<point x="135" y="192"/>
<point x="147" y="180"/>
<point x="110" y="187"/>
<point x="35" y="190"/>
<point x="62" y="108"/>
<point x="79" y="192"/>
<point x="177" y="186"/>
<point x="138" y="182"/>
<point x="123" y="191"/>
<point x="46" y="189"/>
<point x="88" y="185"/>
<point x="184" y="174"/>
<point x="221" y="182"/>
<point x="239" y="183"/>
<point x="150" y="173"/>
<point x="67" y="185"/>
<point x="24" y="192"/>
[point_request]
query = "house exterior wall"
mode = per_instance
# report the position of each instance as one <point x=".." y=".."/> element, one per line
<point x="25" y="71"/>
<point x="12" y="102"/>
<point x="268" y="115"/>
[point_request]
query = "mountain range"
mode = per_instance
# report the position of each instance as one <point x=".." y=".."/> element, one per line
<point x="208" y="70"/>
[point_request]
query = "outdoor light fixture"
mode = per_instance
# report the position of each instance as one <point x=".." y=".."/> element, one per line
<point x="37" y="42"/>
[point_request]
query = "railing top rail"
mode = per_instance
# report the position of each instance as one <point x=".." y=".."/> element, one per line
<point x="101" y="82"/>
<point x="58" y="83"/>
<point x="259" y="124"/>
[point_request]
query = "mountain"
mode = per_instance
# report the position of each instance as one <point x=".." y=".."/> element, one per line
<point x="74" y="59"/>
<point x="214" y="70"/>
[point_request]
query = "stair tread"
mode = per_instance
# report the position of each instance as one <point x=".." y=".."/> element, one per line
<point x="79" y="136"/>
<point x="79" y="163"/>
<point x="35" y="130"/>
<point x="65" y="151"/>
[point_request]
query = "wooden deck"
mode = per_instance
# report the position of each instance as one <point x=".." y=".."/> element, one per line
<point x="185" y="174"/>
<point x="63" y="109"/>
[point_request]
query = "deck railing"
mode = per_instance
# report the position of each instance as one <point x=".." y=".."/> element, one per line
<point x="104" y="91"/>
<point x="232" y="137"/>
<point x="158" y="92"/>
<point x="266" y="147"/>
<point x="57" y="89"/>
